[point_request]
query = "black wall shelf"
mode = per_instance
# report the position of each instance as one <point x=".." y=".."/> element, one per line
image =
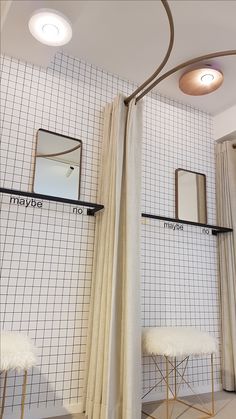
<point x="92" y="208"/>
<point x="215" y="229"/>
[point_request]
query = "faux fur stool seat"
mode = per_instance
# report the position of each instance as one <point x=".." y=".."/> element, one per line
<point x="176" y="345"/>
<point x="17" y="353"/>
<point x="177" y="341"/>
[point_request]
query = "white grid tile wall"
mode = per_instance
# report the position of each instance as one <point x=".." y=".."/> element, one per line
<point x="48" y="252"/>
<point x="179" y="267"/>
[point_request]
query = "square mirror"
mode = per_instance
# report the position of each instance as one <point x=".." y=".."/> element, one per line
<point x="190" y="196"/>
<point x="57" y="165"/>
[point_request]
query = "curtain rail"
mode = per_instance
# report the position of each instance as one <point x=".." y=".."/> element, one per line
<point x="163" y="63"/>
<point x="183" y="65"/>
<point x="152" y="78"/>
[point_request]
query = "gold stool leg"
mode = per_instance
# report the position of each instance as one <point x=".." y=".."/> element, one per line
<point x="4" y="395"/>
<point x="23" y="395"/>
<point x="175" y="379"/>
<point x="167" y="388"/>
<point x="212" y="386"/>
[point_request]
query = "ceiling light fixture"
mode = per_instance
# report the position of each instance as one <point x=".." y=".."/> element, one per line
<point x="207" y="79"/>
<point x="200" y="81"/>
<point x="153" y="80"/>
<point x="50" y="27"/>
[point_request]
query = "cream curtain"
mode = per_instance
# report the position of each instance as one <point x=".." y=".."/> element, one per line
<point x="113" y="362"/>
<point x="226" y="213"/>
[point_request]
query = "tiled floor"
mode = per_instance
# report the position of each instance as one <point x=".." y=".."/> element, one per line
<point x="225" y="407"/>
<point x="225" y="404"/>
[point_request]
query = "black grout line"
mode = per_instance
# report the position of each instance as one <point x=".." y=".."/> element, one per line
<point x="178" y="270"/>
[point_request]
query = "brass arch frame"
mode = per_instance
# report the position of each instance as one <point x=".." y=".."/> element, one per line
<point x="174" y="69"/>
<point x="185" y="64"/>
<point x="165" y="59"/>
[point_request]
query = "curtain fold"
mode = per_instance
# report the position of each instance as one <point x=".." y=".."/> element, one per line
<point x="226" y="216"/>
<point x="113" y="359"/>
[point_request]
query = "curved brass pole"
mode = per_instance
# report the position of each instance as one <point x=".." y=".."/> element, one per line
<point x="183" y="65"/>
<point x="158" y="70"/>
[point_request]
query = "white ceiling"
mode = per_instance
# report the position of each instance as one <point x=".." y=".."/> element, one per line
<point x="130" y="38"/>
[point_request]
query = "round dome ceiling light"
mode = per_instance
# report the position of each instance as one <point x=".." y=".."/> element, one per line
<point x="207" y="79"/>
<point x="200" y="81"/>
<point x="50" y="27"/>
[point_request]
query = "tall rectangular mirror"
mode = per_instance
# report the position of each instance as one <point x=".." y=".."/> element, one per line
<point x="190" y="196"/>
<point x="57" y="165"/>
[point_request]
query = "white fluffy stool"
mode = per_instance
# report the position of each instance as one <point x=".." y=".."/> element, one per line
<point x="173" y="342"/>
<point x="17" y="353"/>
